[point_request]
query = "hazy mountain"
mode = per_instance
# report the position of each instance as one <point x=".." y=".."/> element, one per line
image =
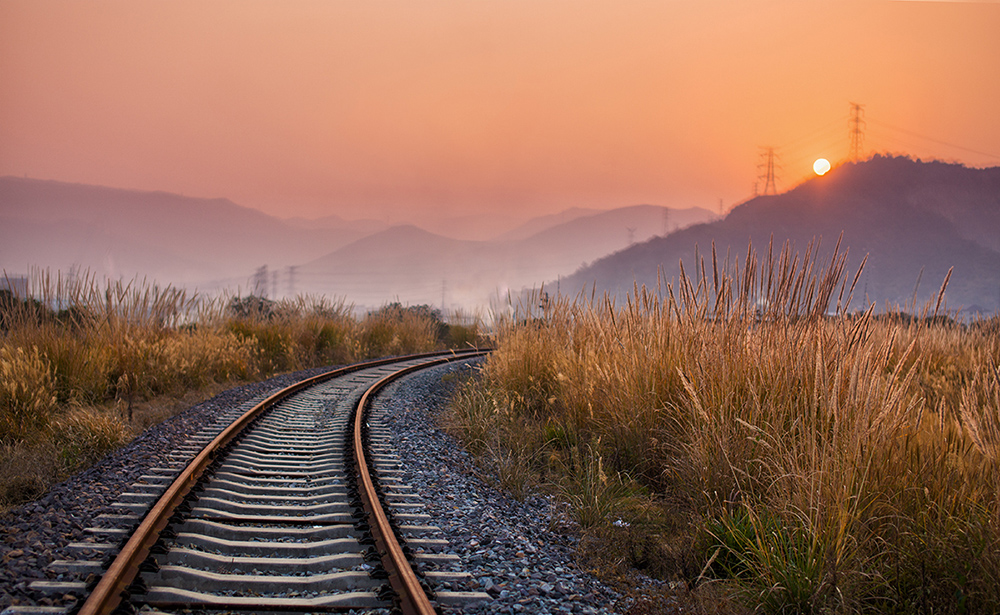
<point x="907" y="216"/>
<point x="403" y="263"/>
<point x="211" y="244"/>
<point x="472" y="227"/>
<point x="564" y="247"/>
<point x="541" y="223"/>
<point x="412" y="265"/>
<point x="171" y="238"/>
<point x="360" y="227"/>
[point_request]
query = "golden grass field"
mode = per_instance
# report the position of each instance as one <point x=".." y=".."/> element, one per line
<point x="727" y="434"/>
<point x="84" y="366"/>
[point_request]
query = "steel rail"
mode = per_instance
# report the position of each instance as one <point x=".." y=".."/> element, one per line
<point x="112" y="588"/>
<point x="413" y="598"/>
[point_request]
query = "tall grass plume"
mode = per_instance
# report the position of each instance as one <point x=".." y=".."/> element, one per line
<point x="764" y="441"/>
<point x="83" y="362"/>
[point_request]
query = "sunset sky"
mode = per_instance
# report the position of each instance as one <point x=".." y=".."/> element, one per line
<point x="399" y="110"/>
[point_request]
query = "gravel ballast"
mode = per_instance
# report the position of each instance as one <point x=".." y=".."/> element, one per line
<point x="518" y="552"/>
<point x="511" y="548"/>
<point x="37" y="533"/>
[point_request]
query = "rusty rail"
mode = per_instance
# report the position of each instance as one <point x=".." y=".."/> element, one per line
<point x="112" y="588"/>
<point x="413" y="598"/>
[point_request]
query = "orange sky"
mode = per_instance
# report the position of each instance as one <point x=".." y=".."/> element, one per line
<point x="401" y="109"/>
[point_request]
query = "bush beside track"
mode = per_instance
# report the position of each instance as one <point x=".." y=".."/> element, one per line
<point x="85" y="367"/>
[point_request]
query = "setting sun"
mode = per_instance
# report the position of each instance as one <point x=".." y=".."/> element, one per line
<point x="821" y="166"/>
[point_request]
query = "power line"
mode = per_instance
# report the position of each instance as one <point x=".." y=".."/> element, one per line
<point x="796" y="161"/>
<point x="889" y="142"/>
<point x="938" y="141"/>
<point x="828" y="139"/>
<point x="834" y="126"/>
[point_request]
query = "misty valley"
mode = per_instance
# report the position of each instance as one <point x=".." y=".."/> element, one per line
<point x="791" y="408"/>
<point x="912" y="222"/>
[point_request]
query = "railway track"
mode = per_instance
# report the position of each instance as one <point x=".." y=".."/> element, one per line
<point x="293" y="505"/>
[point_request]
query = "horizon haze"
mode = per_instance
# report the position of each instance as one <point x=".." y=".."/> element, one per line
<point x="217" y="246"/>
<point x="450" y="111"/>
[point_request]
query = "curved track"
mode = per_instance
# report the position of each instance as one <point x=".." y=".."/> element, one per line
<point x="285" y="509"/>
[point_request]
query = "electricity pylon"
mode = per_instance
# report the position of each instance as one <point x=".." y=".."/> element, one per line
<point x="856" y="133"/>
<point x="766" y="171"/>
<point x="292" y="270"/>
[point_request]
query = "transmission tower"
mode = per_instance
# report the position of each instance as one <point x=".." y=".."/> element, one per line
<point x="631" y="234"/>
<point x="292" y="270"/>
<point x="260" y="281"/>
<point x="856" y="132"/>
<point x="766" y="171"/>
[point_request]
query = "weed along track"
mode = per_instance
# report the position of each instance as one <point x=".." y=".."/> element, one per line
<point x="296" y="505"/>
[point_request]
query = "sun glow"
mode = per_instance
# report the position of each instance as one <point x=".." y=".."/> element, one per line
<point x="821" y="166"/>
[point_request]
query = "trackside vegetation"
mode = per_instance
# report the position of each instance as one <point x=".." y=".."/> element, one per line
<point x="85" y="366"/>
<point x="745" y="437"/>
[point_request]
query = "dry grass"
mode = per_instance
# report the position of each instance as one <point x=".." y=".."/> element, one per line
<point x="85" y="366"/>
<point x="725" y="432"/>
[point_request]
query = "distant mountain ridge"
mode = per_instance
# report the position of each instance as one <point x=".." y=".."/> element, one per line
<point x="914" y="220"/>
<point x="542" y="223"/>
<point x="172" y="238"/>
<point x="212" y="244"/>
<point x="361" y="227"/>
<point x="423" y="267"/>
